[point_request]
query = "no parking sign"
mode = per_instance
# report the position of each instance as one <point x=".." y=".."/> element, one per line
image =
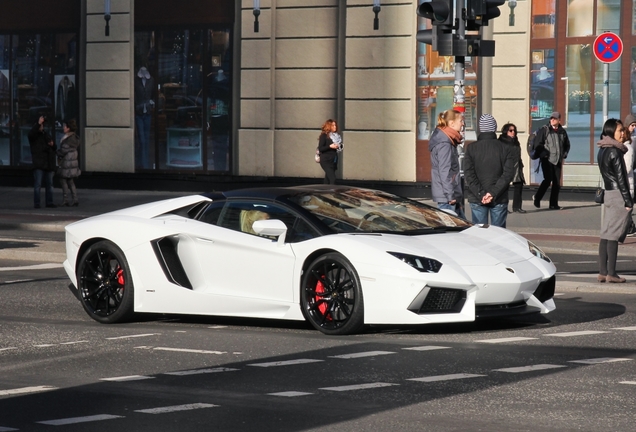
<point x="608" y="47"/>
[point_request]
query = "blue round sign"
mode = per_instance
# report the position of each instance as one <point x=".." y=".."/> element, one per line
<point x="608" y="47"/>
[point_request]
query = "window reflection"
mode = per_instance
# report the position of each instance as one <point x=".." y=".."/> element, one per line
<point x="543" y="19"/>
<point x="608" y="16"/>
<point x="580" y="18"/>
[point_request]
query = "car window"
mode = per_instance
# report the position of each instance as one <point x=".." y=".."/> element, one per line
<point x="212" y="212"/>
<point x="241" y="215"/>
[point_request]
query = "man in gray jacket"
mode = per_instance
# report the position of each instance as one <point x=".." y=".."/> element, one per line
<point x="557" y="145"/>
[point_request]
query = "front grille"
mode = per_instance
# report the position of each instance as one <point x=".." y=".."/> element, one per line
<point x="545" y="290"/>
<point x="443" y="300"/>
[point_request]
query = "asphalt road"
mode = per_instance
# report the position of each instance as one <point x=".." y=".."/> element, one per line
<point x="574" y="369"/>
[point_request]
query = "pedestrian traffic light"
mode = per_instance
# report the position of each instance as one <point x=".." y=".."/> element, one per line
<point x="440" y="37"/>
<point x="479" y="12"/>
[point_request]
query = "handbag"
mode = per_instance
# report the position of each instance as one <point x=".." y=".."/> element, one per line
<point x="317" y="155"/>
<point x="599" y="196"/>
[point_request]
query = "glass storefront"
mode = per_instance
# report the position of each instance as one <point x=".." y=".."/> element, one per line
<point x="182" y="99"/>
<point x="37" y="78"/>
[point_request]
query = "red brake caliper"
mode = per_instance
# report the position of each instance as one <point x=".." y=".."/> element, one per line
<point x="120" y="277"/>
<point x="320" y="289"/>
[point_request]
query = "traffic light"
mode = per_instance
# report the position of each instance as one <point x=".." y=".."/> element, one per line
<point x="440" y="37"/>
<point x="479" y="12"/>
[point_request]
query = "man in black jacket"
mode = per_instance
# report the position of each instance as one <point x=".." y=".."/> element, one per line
<point x="557" y="145"/>
<point x="43" y="158"/>
<point x="489" y="167"/>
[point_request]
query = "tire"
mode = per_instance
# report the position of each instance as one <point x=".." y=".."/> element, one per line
<point x="105" y="286"/>
<point x="331" y="295"/>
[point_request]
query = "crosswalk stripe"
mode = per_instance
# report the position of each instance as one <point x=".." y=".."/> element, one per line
<point x="362" y="354"/>
<point x="600" y="360"/>
<point x="74" y="420"/>
<point x="625" y="328"/>
<point x="176" y="408"/>
<point x="529" y="368"/>
<point x="503" y="340"/>
<point x="6" y="429"/>
<point x="445" y="377"/>
<point x="133" y="336"/>
<point x="628" y="382"/>
<point x="127" y="378"/>
<point x="289" y="394"/>
<point x="358" y="386"/>
<point x="285" y="362"/>
<point x="25" y="390"/>
<point x="576" y="333"/>
<point x="426" y="348"/>
<point x="200" y="371"/>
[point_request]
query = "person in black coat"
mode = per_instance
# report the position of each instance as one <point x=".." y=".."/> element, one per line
<point x="328" y="151"/>
<point x="44" y="162"/>
<point x="509" y="136"/>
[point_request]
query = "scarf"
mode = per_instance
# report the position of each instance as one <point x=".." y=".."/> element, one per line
<point x="606" y="142"/>
<point x="451" y="133"/>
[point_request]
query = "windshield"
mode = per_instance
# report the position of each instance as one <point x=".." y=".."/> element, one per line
<point x="364" y="210"/>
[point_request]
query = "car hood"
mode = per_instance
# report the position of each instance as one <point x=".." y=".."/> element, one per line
<point x="475" y="246"/>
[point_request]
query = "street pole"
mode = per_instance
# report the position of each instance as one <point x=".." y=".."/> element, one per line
<point x="460" y="62"/>
<point x="605" y="90"/>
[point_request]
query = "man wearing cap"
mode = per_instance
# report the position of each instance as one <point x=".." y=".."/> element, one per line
<point x="554" y="139"/>
<point x="489" y="167"/>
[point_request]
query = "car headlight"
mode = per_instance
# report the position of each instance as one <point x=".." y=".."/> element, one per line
<point x="419" y="263"/>
<point x="534" y="250"/>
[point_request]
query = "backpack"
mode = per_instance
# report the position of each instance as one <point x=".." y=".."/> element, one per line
<point x="534" y="148"/>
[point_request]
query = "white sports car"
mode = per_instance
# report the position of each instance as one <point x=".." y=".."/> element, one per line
<point x="339" y="257"/>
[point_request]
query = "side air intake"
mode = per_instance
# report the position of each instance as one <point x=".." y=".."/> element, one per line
<point x="438" y="300"/>
<point x="166" y="251"/>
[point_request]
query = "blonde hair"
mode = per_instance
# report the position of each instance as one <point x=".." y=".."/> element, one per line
<point x="447" y="116"/>
<point x="248" y="217"/>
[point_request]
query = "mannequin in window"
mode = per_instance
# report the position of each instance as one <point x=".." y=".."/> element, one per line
<point x="65" y="107"/>
<point x="144" y="105"/>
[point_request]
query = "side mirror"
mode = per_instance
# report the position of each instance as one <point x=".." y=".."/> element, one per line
<point x="271" y="227"/>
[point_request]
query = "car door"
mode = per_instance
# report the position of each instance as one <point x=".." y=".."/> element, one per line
<point x="237" y="262"/>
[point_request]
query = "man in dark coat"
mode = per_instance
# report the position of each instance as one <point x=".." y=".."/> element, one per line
<point x="44" y="165"/>
<point x="489" y="166"/>
<point x="554" y="139"/>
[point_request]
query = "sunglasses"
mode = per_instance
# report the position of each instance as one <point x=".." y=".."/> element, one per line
<point x="512" y="130"/>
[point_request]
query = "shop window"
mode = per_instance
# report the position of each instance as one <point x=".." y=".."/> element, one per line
<point x="580" y="20"/>
<point x="608" y="16"/>
<point x="541" y="87"/>
<point x="39" y="72"/>
<point x="182" y="100"/>
<point x="543" y="19"/>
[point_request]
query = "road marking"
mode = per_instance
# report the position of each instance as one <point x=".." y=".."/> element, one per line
<point x="44" y="345"/>
<point x="33" y="267"/>
<point x="16" y="281"/>
<point x="529" y="368"/>
<point x="625" y="328"/>
<point x="127" y="378"/>
<point x="362" y="354"/>
<point x="358" y="386"/>
<point x="628" y="382"/>
<point x="600" y="360"/>
<point x="289" y="394"/>
<point x="445" y="377"/>
<point x="581" y="262"/>
<point x="200" y="371"/>
<point x="134" y="336"/>
<point x="86" y="419"/>
<point x="285" y="363"/>
<point x="25" y="390"/>
<point x="503" y="340"/>
<point x="425" y="348"/>
<point x="175" y="408"/>
<point x="189" y="350"/>
<point x="73" y="343"/>
<point x="6" y="429"/>
<point x="8" y="348"/>
<point x="217" y="327"/>
<point x="576" y="333"/>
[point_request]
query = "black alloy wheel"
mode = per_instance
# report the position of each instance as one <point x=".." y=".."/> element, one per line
<point x="105" y="285"/>
<point x="331" y="297"/>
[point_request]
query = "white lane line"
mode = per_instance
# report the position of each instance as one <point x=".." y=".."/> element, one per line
<point x="426" y="348"/>
<point x="628" y="382"/>
<point x="529" y="368"/>
<point x="44" y="345"/>
<point x="7" y="349"/>
<point x="74" y="420"/>
<point x="134" y="336"/>
<point x="217" y="327"/>
<point x="358" y="386"/>
<point x="581" y="262"/>
<point x="6" y="429"/>
<point x="289" y="394"/>
<point x="200" y="371"/>
<point x="127" y="378"/>
<point x="73" y="343"/>
<point x="25" y="390"/>
<point x="445" y="377"/>
<point x="33" y="267"/>
<point x="175" y="408"/>
<point x="576" y="333"/>
<point x="285" y="363"/>
<point x="625" y="328"/>
<point x="17" y="281"/>
<point x="189" y="350"/>
<point x="503" y="340"/>
<point x="600" y="360"/>
<point x="363" y="354"/>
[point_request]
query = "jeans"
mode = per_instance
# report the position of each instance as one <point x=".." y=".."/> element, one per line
<point x="498" y="214"/>
<point x="38" y="175"/>
<point x="457" y="208"/>
<point x="142" y="124"/>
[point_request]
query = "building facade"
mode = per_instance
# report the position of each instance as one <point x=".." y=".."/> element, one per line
<point x="190" y="88"/>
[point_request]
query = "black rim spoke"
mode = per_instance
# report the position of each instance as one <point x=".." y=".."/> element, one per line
<point x="331" y="307"/>
<point x="99" y="283"/>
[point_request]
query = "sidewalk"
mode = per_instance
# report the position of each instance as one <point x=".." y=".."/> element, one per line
<point x="573" y="229"/>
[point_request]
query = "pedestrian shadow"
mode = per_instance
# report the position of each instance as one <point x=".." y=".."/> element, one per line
<point x="8" y="244"/>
